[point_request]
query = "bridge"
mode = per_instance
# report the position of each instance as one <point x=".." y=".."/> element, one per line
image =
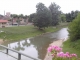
<point x="19" y="53"/>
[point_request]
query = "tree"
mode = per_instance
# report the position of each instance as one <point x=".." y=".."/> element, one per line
<point x="74" y="29"/>
<point x="18" y="19"/>
<point x="21" y="15"/>
<point x="31" y="17"/>
<point x="42" y="17"/>
<point x="63" y="18"/>
<point x="25" y="17"/>
<point x="13" y="16"/>
<point x="55" y="12"/>
<point x="71" y="16"/>
<point x="68" y="17"/>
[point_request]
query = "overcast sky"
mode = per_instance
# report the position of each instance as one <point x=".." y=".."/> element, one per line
<point x="27" y="7"/>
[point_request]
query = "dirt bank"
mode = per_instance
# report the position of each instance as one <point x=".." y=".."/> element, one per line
<point x="1" y="41"/>
<point x="55" y="43"/>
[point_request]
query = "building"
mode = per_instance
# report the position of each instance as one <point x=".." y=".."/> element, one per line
<point x="3" y="23"/>
<point x="7" y="14"/>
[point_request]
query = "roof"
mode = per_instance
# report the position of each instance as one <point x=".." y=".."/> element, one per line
<point x="3" y="21"/>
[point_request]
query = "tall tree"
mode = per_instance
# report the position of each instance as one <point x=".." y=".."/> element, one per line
<point x="42" y="18"/>
<point x="55" y="12"/>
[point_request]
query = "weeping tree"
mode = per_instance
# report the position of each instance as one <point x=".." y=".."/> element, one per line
<point x="42" y="16"/>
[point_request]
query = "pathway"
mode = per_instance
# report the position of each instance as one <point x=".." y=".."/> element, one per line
<point x="55" y="43"/>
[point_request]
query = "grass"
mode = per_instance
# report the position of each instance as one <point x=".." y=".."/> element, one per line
<point x="72" y="47"/>
<point x="22" y="32"/>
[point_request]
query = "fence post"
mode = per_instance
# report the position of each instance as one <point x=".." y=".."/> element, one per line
<point x="19" y="53"/>
<point x="19" y="56"/>
<point x="6" y="51"/>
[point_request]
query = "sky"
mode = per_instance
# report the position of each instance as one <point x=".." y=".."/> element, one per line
<point x="27" y="7"/>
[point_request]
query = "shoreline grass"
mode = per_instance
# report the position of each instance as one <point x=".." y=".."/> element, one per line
<point x="72" y="47"/>
<point x="22" y="32"/>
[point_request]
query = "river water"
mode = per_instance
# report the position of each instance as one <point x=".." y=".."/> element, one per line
<point x="35" y="47"/>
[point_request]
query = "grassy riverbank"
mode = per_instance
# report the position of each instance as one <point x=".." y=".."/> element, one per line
<point x="22" y="32"/>
<point x="72" y="47"/>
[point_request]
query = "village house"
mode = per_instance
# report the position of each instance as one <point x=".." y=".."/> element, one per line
<point x="3" y="23"/>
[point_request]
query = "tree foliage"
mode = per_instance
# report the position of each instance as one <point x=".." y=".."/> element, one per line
<point x="18" y="18"/>
<point x="31" y="17"/>
<point x="71" y="16"/>
<point x="74" y="29"/>
<point x="55" y="12"/>
<point x="42" y="17"/>
<point x="62" y="18"/>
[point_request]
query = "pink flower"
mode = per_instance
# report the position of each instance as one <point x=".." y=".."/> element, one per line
<point x="61" y="54"/>
<point x="55" y="52"/>
<point x="73" y="55"/>
<point x="56" y="48"/>
<point x="49" y="49"/>
<point x="67" y="54"/>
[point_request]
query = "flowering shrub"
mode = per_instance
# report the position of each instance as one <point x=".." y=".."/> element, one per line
<point x="57" y="54"/>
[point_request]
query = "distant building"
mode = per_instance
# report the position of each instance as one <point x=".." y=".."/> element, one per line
<point x="3" y="23"/>
<point x="8" y="14"/>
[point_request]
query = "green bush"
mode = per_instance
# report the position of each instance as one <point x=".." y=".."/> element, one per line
<point x="74" y="29"/>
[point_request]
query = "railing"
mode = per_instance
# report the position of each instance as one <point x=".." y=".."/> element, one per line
<point x="19" y="53"/>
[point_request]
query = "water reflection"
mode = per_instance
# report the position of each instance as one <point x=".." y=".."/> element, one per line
<point x="36" y="46"/>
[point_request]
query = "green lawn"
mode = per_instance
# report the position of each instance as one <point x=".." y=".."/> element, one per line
<point x="72" y="47"/>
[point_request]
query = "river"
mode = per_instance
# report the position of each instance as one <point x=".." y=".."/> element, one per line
<point x="35" y="47"/>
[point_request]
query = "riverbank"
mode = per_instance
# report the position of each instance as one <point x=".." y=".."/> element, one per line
<point x="55" y="43"/>
<point x="72" y="47"/>
<point x="23" y="32"/>
<point x="1" y="41"/>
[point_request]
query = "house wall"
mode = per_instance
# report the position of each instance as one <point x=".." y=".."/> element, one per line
<point x="3" y="25"/>
<point x="0" y="25"/>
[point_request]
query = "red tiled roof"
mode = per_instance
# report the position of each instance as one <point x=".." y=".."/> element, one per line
<point x="1" y="21"/>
